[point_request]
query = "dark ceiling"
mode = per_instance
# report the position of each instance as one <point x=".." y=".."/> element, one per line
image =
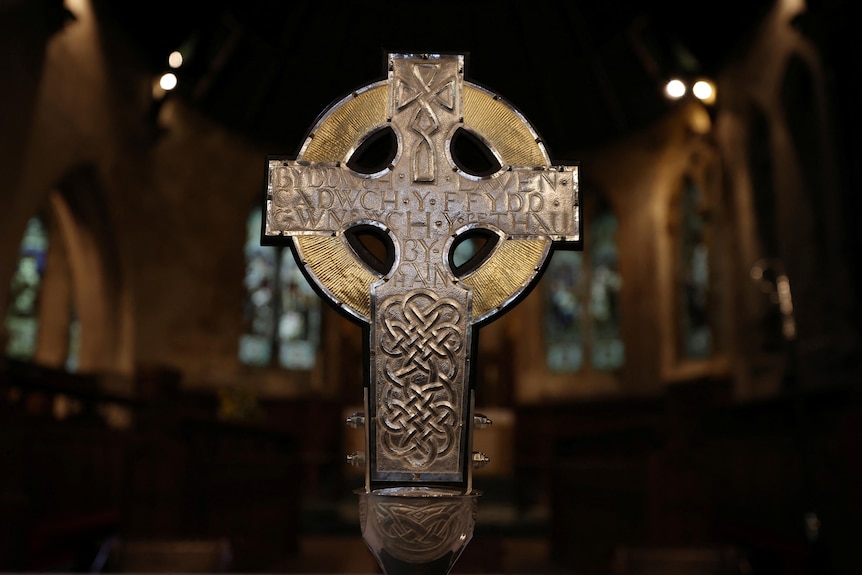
<point x="583" y="72"/>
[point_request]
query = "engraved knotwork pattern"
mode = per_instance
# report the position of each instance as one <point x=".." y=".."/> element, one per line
<point x="427" y="90"/>
<point x="420" y="531"/>
<point x="421" y="340"/>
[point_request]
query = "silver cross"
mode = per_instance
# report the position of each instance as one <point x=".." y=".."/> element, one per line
<point x="419" y="308"/>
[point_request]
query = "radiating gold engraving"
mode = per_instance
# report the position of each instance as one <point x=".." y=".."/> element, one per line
<point x="335" y="267"/>
<point x="339" y="131"/>
<point x="506" y="132"/>
<point x="511" y="267"/>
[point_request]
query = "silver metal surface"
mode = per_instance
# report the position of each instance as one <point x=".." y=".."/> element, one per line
<point x="421" y="315"/>
<point x="417" y="529"/>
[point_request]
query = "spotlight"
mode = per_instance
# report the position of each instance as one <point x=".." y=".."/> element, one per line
<point x="168" y="81"/>
<point x="675" y="89"/>
<point x="175" y="60"/>
<point x="704" y="91"/>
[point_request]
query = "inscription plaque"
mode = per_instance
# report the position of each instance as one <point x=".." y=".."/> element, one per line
<point x="419" y="309"/>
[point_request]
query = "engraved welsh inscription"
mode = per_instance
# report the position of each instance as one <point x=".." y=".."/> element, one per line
<point x="314" y="199"/>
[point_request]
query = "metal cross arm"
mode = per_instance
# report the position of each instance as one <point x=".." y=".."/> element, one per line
<point x="419" y="305"/>
<point x="325" y="198"/>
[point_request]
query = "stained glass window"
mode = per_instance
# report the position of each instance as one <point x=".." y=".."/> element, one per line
<point x="608" y="352"/>
<point x="256" y="341"/>
<point x="281" y="313"/>
<point x="582" y="324"/>
<point x="22" y="317"/>
<point x="693" y="276"/>
<point x="299" y="317"/>
<point x="564" y="317"/>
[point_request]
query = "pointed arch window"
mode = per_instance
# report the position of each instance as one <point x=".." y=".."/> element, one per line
<point x="22" y="316"/>
<point x="26" y="296"/>
<point x="582" y="323"/>
<point x="281" y="312"/>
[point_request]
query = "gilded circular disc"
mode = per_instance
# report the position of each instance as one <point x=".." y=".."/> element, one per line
<point x="502" y="277"/>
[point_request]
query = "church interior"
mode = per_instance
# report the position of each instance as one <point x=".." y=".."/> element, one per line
<point x="680" y="396"/>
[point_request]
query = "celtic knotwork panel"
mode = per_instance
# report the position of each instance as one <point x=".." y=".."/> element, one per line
<point x="420" y="342"/>
<point x="425" y="96"/>
<point x="420" y="530"/>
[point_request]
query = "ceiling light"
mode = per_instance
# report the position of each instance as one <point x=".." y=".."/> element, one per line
<point x="175" y="60"/>
<point x="675" y="89"/>
<point x="704" y="90"/>
<point x="168" y="82"/>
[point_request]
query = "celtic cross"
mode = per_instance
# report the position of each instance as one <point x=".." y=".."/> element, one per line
<point x="419" y="305"/>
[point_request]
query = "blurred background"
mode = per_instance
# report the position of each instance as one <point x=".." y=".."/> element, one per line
<point x="682" y="396"/>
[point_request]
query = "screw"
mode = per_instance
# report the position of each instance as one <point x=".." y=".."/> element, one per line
<point x="480" y="460"/>
<point x="357" y="459"/>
